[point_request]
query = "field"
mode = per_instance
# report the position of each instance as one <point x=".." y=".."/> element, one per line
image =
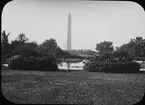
<point x="74" y="87"/>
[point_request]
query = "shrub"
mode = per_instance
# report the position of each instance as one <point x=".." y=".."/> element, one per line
<point x="33" y="63"/>
<point x="47" y="63"/>
<point x="116" y="67"/>
<point x="93" y="66"/>
<point x="17" y="62"/>
<point x="121" y="67"/>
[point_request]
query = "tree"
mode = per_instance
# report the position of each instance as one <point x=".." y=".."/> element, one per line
<point x="127" y="48"/>
<point x="60" y="53"/>
<point x="48" y="47"/>
<point x="13" y="45"/>
<point x="139" y="46"/>
<point x="4" y="46"/>
<point x="22" y="38"/>
<point x="4" y="43"/>
<point x="135" y="48"/>
<point x="104" y="47"/>
<point x="121" y="55"/>
<point x="31" y="45"/>
<point x="4" y="37"/>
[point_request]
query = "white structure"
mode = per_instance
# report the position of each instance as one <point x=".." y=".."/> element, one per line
<point x="140" y="62"/>
<point x="69" y="33"/>
<point x="73" y="66"/>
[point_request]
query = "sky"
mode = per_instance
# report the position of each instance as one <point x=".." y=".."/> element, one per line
<point x="92" y="21"/>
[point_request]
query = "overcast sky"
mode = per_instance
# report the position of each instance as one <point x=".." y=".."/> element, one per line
<point x="92" y="21"/>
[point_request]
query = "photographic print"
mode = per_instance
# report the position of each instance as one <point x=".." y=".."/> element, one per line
<point x="73" y="52"/>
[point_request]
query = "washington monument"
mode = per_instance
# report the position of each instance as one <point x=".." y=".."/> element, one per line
<point x="69" y="33"/>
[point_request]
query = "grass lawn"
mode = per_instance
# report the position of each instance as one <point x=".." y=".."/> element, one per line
<point x="75" y="87"/>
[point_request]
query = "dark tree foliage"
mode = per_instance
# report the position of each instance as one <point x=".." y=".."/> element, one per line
<point x="135" y="48"/>
<point x="47" y="47"/>
<point x="104" y="47"/>
<point x="5" y="48"/>
<point x="13" y="45"/>
<point x="31" y="45"/>
<point x="18" y="44"/>
<point x="21" y="38"/>
<point x="60" y="53"/>
<point x="25" y="51"/>
<point x="121" y="55"/>
<point x="4" y="43"/>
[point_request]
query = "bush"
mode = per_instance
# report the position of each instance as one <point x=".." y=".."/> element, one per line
<point x="121" y="67"/>
<point x="17" y="62"/>
<point x="116" y="67"/>
<point x="47" y="63"/>
<point x="33" y="63"/>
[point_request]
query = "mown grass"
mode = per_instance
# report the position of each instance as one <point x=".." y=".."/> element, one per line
<point x="74" y="87"/>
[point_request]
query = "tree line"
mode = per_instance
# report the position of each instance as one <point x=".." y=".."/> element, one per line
<point x="21" y="45"/>
<point x="135" y="48"/>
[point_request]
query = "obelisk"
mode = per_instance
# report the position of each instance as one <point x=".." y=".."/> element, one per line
<point x="69" y="33"/>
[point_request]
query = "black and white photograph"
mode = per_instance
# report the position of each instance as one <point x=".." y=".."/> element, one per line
<point x="73" y="52"/>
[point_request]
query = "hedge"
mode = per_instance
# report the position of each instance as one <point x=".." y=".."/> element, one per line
<point x="116" y="67"/>
<point x="34" y="63"/>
